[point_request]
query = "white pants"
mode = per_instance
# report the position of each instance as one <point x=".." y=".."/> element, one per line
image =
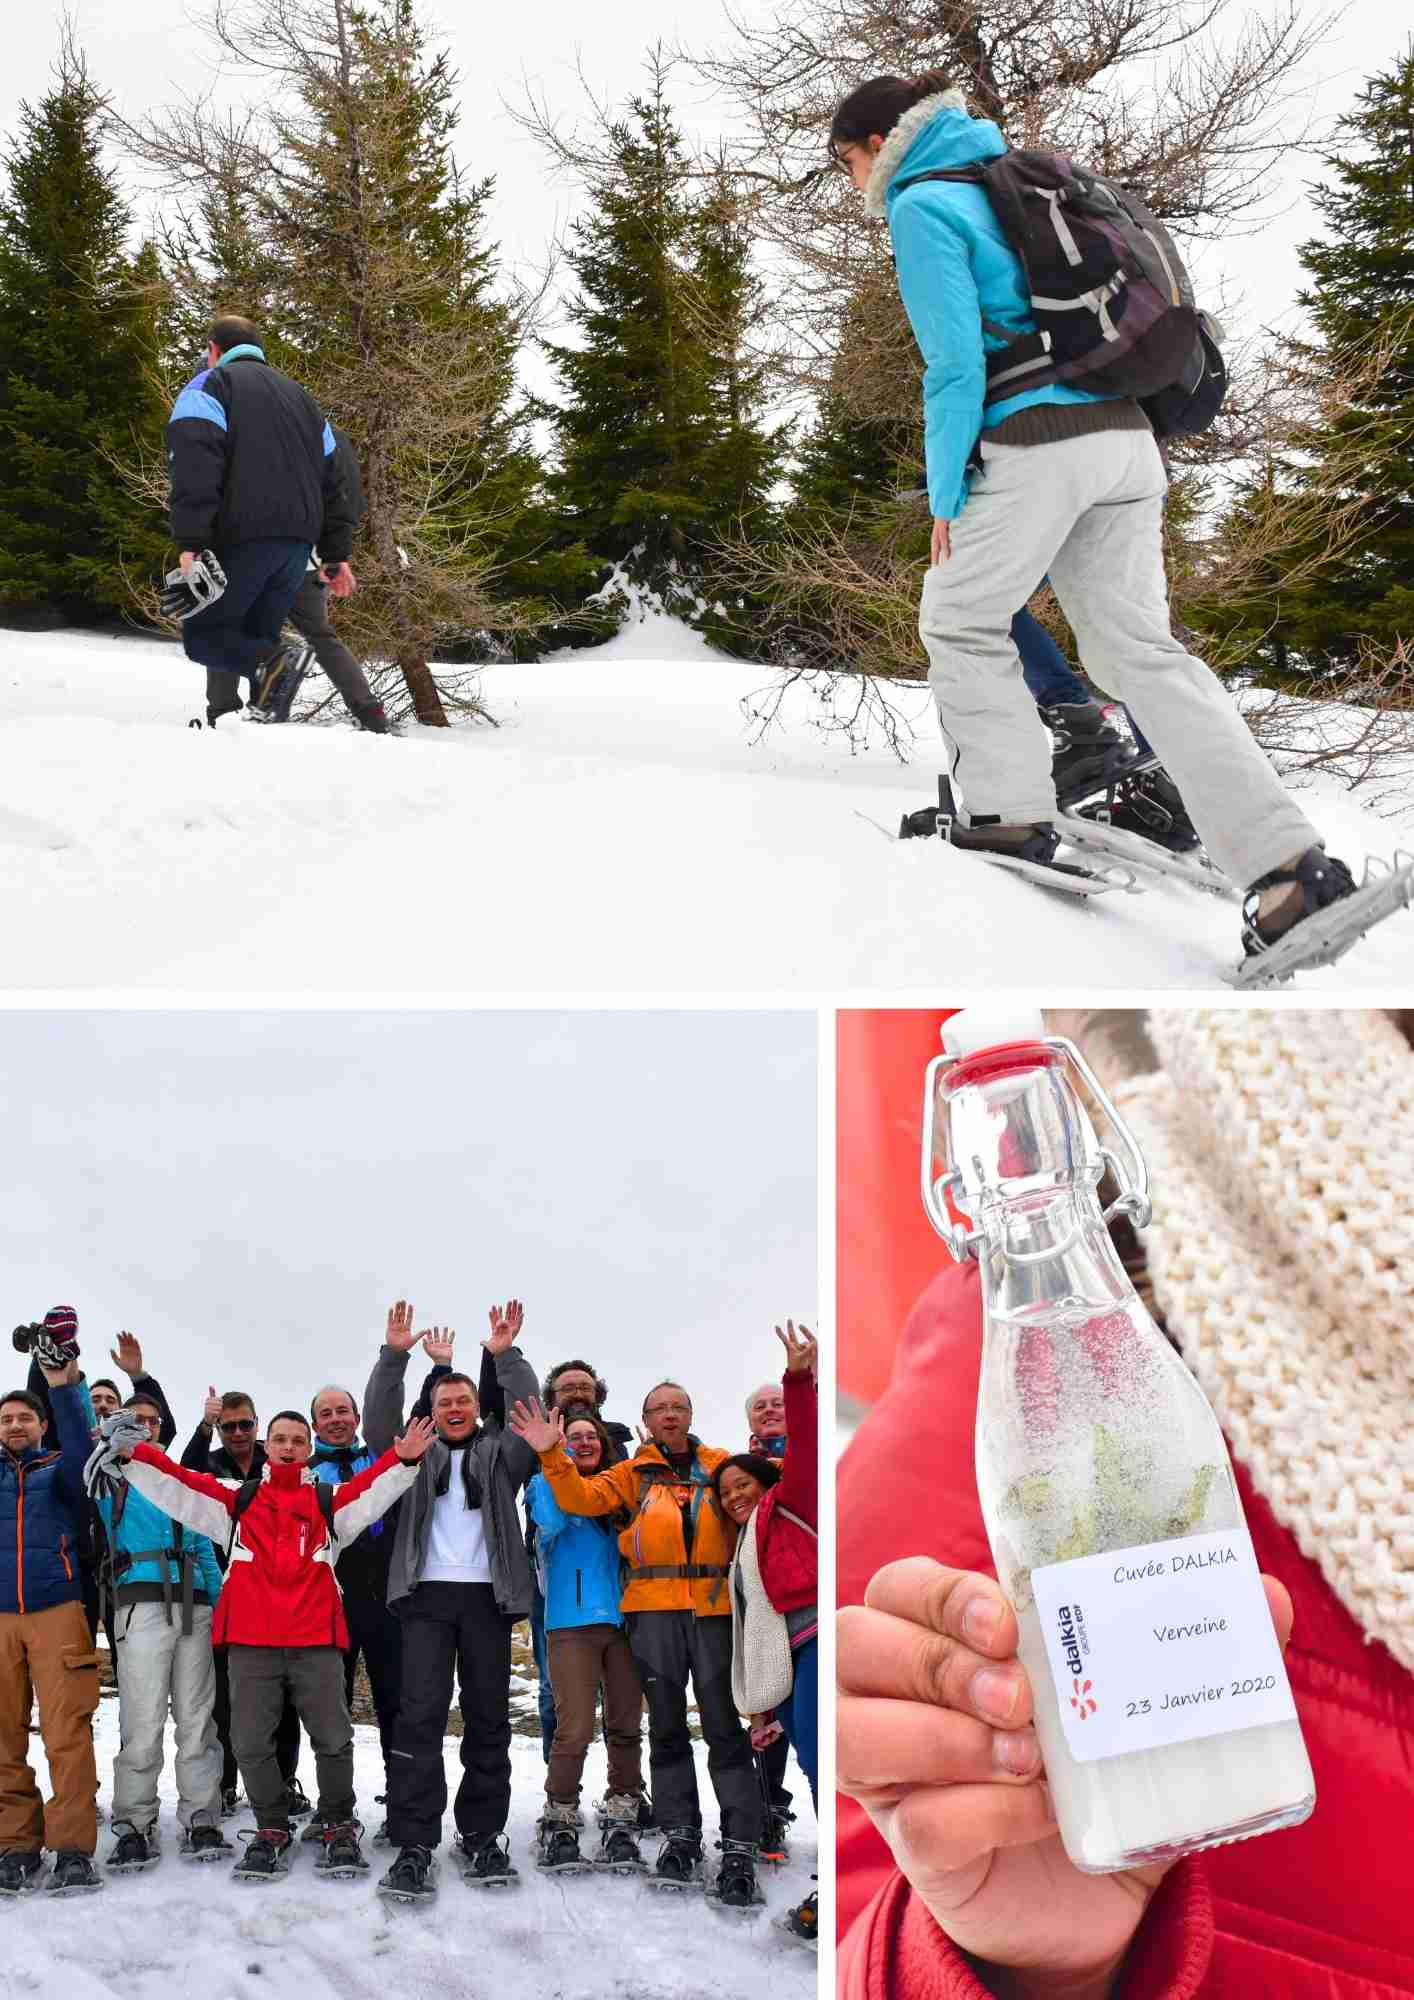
<point x="158" y="1671"/>
<point x="1088" y="511"/>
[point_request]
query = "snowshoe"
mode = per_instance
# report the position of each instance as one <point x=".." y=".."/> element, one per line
<point x="486" y="1862"/>
<point x="412" y="1877"/>
<point x="618" y="1852"/>
<point x="21" y="1874"/>
<point x="342" y="1858"/>
<point x="735" y="1888"/>
<point x="557" y="1842"/>
<point x="803" y="1923"/>
<point x="1093" y="834"/>
<point x="313" y="1829"/>
<point x="204" y="1844"/>
<point x="1337" y="913"/>
<point x="73" y="1874"/>
<point x="678" y="1868"/>
<point x="1029" y="851"/>
<point x="775" y="1845"/>
<point x="297" y="1805"/>
<point x="372" y="716"/>
<point x="266" y="1857"/>
<point x="1088" y="753"/>
<point x="133" y="1851"/>
<point x="1148" y="804"/>
<point x="279" y="681"/>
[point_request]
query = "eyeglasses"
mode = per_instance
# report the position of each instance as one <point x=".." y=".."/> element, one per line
<point x="669" y="1410"/>
<point x="237" y="1424"/>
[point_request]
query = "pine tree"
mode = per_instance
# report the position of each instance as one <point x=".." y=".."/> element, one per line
<point x="78" y="352"/>
<point x="1324" y="526"/>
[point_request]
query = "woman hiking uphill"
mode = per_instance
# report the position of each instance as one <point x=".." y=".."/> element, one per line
<point x="1071" y="485"/>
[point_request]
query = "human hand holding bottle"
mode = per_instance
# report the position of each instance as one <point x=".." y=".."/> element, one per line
<point x="936" y="1744"/>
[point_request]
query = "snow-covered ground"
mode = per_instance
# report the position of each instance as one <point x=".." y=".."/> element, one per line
<point x="179" y="1929"/>
<point x="623" y="831"/>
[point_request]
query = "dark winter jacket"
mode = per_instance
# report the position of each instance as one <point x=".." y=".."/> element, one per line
<point x="41" y="1500"/>
<point x="362" y="1566"/>
<point x="252" y="458"/>
<point x="503" y="1462"/>
<point x="351" y="474"/>
<point x="93" y="1541"/>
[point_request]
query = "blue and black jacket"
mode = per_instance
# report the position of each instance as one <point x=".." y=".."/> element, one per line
<point x="362" y="1567"/>
<point x="41" y="1503"/>
<point x="252" y="458"/>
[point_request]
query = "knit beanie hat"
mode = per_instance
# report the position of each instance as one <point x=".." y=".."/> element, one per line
<point x="61" y="1323"/>
<point x="1280" y="1146"/>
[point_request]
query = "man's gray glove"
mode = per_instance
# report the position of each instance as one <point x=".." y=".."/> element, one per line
<point x="121" y="1434"/>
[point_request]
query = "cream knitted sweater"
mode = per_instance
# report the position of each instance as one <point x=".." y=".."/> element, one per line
<point x="1280" y="1145"/>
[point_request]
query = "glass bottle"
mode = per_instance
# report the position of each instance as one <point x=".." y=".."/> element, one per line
<point x="1162" y="1706"/>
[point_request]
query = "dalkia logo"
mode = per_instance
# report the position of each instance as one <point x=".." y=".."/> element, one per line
<point x="1082" y="1701"/>
<point x="1070" y="1638"/>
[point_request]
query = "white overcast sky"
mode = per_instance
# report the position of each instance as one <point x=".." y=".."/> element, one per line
<point x="249" y="1192"/>
<point x="147" y="52"/>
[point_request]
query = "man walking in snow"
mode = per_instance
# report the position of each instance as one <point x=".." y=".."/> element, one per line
<point x="256" y="479"/>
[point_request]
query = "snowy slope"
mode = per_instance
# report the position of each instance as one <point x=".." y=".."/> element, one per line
<point x="621" y="832"/>
<point x="179" y="1929"/>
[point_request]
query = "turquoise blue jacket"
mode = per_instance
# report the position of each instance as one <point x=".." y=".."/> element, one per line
<point x="579" y="1563"/>
<point x="142" y="1526"/>
<point x="955" y="269"/>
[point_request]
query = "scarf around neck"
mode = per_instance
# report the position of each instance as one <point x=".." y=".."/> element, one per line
<point x="1280" y="1147"/>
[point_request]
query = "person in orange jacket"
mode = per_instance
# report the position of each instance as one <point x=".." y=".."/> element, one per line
<point x="677" y="1549"/>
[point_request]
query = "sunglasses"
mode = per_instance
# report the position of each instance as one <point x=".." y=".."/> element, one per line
<point x="238" y="1424"/>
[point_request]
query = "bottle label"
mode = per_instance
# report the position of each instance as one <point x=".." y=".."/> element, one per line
<point x="1160" y="1644"/>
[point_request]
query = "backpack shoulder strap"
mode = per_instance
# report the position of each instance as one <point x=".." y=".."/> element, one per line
<point x="324" y="1493"/>
<point x="245" y="1494"/>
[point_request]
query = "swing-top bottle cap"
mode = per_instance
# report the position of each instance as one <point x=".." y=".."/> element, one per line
<point x="984" y="1027"/>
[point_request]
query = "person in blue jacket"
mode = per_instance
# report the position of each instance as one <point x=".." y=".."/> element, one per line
<point x="578" y="1560"/>
<point x="46" y="1649"/>
<point x="165" y="1582"/>
<point x="1071" y="486"/>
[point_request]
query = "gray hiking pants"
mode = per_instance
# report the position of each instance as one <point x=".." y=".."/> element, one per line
<point x="1088" y="511"/>
<point x="309" y="614"/>
<point x="160" y="1669"/>
<point x="314" y="1677"/>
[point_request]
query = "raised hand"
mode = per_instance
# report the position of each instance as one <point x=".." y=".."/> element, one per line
<point x="415" y="1440"/>
<point x="529" y="1421"/>
<point x="58" y="1377"/>
<point x="506" y="1323"/>
<point x="127" y="1355"/>
<point x="935" y="1741"/>
<point x="211" y="1409"/>
<point x="398" y="1333"/>
<point x="437" y="1345"/>
<point x="802" y="1348"/>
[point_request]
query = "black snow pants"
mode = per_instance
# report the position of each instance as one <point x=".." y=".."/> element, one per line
<point x="452" y="1631"/>
<point x="670" y="1647"/>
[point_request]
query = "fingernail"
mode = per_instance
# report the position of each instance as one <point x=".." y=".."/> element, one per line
<point x="1015" y="1750"/>
<point x="981" y="1617"/>
<point x="994" y="1691"/>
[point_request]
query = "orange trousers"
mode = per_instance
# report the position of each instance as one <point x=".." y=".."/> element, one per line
<point x="49" y="1654"/>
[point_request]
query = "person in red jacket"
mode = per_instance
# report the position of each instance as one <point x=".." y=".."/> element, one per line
<point x="281" y="1614"/>
<point x="778" y="1505"/>
<point x="952" y="1881"/>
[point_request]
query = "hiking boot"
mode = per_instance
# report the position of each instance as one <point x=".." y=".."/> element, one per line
<point x="297" y="1805"/>
<point x="204" y="1843"/>
<point x="774" y="1846"/>
<point x="557" y="1836"/>
<point x="487" y="1857"/>
<point x="342" y="1856"/>
<point x="804" y="1920"/>
<point x="1151" y="805"/>
<point x="412" y="1877"/>
<point x="1036" y="843"/>
<point x="73" y="1874"/>
<point x="19" y="1873"/>
<point x="1312" y="882"/>
<point x="736" y="1878"/>
<point x="372" y="716"/>
<point x="1087" y="751"/>
<point x="267" y="1855"/>
<point x="680" y="1856"/>
<point x="132" y="1851"/>
<point x="622" y="1808"/>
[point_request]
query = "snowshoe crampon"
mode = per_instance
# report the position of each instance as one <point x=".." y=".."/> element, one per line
<point x="1330" y="927"/>
<point x="487" y="1864"/>
<point x="133" y="1852"/>
<point x="734" y="1889"/>
<point x="802" y="1924"/>
<point x="412" y="1877"/>
<point x="340" y="1857"/>
<point x="557" y="1844"/>
<point x="677" y="1871"/>
<point x="204" y="1844"/>
<point x="73" y="1874"/>
<point x="266" y="1858"/>
<point x="1033" y="856"/>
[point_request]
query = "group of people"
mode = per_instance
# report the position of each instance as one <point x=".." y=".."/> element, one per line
<point x="241" y="1583"/>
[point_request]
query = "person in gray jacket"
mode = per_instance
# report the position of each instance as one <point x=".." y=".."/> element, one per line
<point x="458" y="1578"/>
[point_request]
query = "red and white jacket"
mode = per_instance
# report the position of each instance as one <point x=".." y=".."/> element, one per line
<point x="788" y="1557"/>
<point x="280" y="1588"/>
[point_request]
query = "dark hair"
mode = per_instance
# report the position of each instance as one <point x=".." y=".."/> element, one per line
<point x="106" y="1382"/>
<point x="289" y="1417"/>
<point x="232" y="330"/>
<point x="24" y="1396"/>
<point x="580" y="1413"/>
<point x="233" y="1398"/>
<point x="547" y="1387"/>
<point x="441" y="1383"/>
<point x="878" y="105"/>
<point x="141" y="1396"/>
<point x="764" y="1471"/>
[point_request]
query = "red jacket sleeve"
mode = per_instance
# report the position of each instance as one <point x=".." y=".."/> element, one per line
<point x="799" y="1487"/>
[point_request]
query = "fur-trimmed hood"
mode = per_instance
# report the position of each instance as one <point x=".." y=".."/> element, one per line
<point x="958" y="141"/>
